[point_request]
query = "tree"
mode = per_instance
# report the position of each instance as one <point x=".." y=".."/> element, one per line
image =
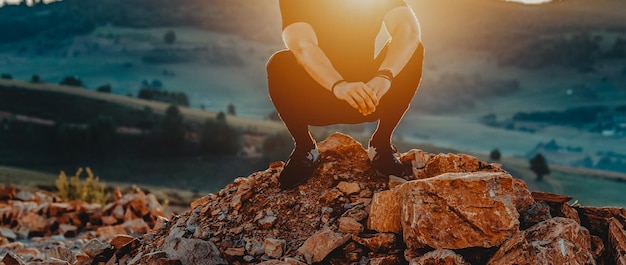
<point x="104" y="88"/>
<point x="172" y="129"/>
<point x="277" y="147"/>
<point x="102" y="132"/>
<point x="495" y="155"/>
<point x="539" y="165"/>
<point x="221" y="117"/>
<point x="231" y="109"/>
<point x="72" y="81"/>
<point x="219" y="138"/>
<point x="35" y="79"/>
<point x="169" y="37"/>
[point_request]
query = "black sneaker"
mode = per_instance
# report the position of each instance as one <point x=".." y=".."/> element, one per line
<point x="299" y="167"/>
<point x="383" y="159"/>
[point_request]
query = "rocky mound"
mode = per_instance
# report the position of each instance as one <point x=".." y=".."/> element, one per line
<point x="455" y="209"/>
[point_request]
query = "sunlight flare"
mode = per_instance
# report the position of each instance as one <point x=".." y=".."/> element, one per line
<point x="530" y="2"/>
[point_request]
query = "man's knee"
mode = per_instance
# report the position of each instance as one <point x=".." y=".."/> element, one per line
<point x="280" y="62"/>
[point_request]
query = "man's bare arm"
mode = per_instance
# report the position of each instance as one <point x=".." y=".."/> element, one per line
<point x="301" y="39"/>
<point x="404" y="29"/>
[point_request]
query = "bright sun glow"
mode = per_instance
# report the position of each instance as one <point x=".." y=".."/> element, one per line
<point x="530" y="2"/>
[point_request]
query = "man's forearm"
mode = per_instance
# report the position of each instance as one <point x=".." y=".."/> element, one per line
<point x="317" y="64"/>
<point x="403" y="44"/>
<point x="405" y="38"/>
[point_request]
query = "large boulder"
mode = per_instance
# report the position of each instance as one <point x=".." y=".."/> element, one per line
<point x="319" y="245"/>
<point x="192" y="251"/>
<point x="385" y="212"/>
<point x="458" y="210"/>
<point x="554" y="241"/>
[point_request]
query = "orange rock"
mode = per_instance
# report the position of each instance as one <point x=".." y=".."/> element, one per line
<point x="32" y="222"/>
<point x="12" y="259"/>
<point x="396" y="181"/>
<point x="234" y="252"/>
<point x="597" y="219"/>
<point x="7" y="192"/>
<point x="440" y="256"/>
<point x="319" y="245"/>
<point x="154" y="206"/>
<point x="118" y="212"/>
<point x="349" y="225"/>
<point x="91" y="208"/>
<point x="160" y="223"/>
<point x="381" y="242"/>
<point x="522" y="198"/>
<point x="61" y="253"/>
<point x="68" y="230"/>
<point x="550" y="197"/>
<point x="449" y="163"/>
<point x="568" y="211"/>
<point x="58" y="208"/>
<point x="136" y="226"/>
<point x="385" y="212"/>
<point x="597" y="246"/>
<point x="478" y="206"/>
<point x="199" y="202"/>
<point x="129" y="215"/>
<point x="139" y="206"/>
<point x="95" y="247"/>
<point x="72" y="218"/>
<point x="274" y="247"/>
<point x="331" y="195"/>
<point x="83" y="260"/>
<point x="123" y="244"/>
<point x="555" y="241"/>
<point x="348" y="188"/>
<point x="109" y="220"/>
<point x="110" y="231"/>
<point x="617" y="242"/>
<point x="117" y="194"/>
<point x="23" y="252"/>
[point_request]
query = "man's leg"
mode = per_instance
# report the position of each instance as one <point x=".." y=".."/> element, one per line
<point x="392" y="108"/>
<point x="300" y="102"/>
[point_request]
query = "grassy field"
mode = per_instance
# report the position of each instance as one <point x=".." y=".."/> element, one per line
<point x="589" y="187"/>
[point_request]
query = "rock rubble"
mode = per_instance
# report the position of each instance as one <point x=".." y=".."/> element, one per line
<point x="453" y="209"/>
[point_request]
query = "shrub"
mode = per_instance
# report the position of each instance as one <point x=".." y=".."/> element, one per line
<point x="89" y="190"/>
<point x="231" y="109"/>
<point x="217" y="137"/>
<point x="539" y="165"/>
<point x="104" y="88"/>
<point x="495" y="155"/>
<point x="72" y="81"/>
<point x="176" y="98"/>
<point x="169" y="37"/>
<point x="277" y="147"/>
<point x="35" y="79"/>
<point x="6" y="76"/>
<point x="172" y="129"/>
